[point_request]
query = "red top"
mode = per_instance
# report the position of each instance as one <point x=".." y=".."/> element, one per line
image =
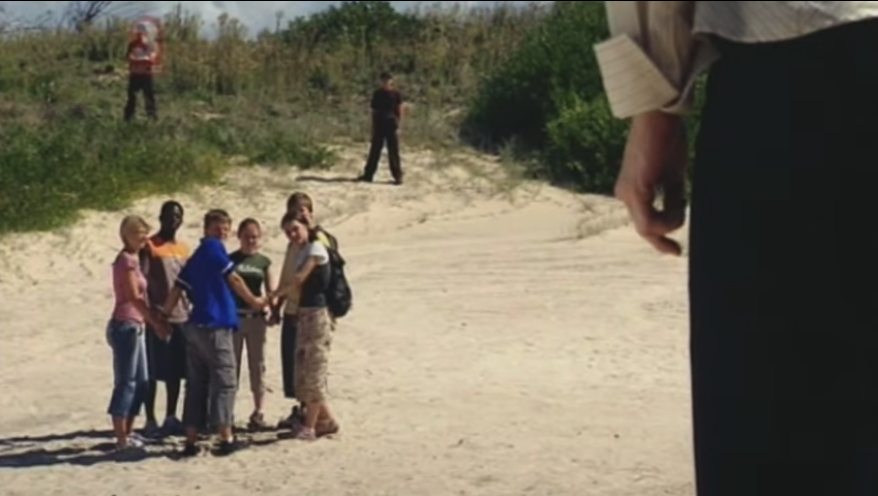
<point x="138" y="48"/>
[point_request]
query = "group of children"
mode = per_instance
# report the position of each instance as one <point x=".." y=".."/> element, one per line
<point x="188" y="316"/>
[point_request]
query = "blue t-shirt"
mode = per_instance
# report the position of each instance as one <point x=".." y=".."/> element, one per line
<point x="204" y="279"/>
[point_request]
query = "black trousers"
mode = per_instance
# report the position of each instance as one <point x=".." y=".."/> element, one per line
<point x="288" y="355"/>
<point x="140" y="83"/>
<point x="384" y="131"/>
<point x="783" y="269"/>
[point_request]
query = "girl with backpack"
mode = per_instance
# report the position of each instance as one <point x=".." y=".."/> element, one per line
<point x="313" y="328"/>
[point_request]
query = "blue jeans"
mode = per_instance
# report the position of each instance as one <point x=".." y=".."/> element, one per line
<point x="131" y="377"/>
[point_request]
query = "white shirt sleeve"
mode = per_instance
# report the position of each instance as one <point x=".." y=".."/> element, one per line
<point x="316" y="249"/>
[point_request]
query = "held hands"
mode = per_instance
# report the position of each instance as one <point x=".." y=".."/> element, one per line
<point x="258" y="303"/>
<point x="655" y="162"/>
<point x="274" y="317"/>
<point x="161" y="326"/>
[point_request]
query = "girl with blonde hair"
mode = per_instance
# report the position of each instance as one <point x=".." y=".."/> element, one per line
<point x="125" y="333"/>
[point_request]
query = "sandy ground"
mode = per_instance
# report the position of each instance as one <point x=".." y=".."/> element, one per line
<point x="507" y="338"/>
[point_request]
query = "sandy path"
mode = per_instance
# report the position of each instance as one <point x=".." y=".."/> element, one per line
<point x="501" y="344"/>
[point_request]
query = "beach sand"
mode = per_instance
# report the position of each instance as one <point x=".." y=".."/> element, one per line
<point x="507" y="338"/>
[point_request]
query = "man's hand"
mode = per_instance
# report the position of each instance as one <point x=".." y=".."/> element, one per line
<point x="654" y="163"/>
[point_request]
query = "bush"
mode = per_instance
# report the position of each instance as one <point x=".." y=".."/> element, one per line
<point x="548" y="98"/>
<point x="52" y="170"/>
<point x="269" y="98"/>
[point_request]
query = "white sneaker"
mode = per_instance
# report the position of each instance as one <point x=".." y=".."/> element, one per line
<point x="133" y="444"/>
<point x="138" y="439"/>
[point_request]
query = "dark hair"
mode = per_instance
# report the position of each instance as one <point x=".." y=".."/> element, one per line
<point x="291" y="217"/>
<point x="171" y="204"/>
<point x="300" y="198"/>
<point x="287" y="218"/>
<point x="215" y="216"/>
<point x="249" y="221"/>
<point x="386" y="76"/>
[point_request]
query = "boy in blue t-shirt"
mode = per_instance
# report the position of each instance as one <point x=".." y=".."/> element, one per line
<point x="208" y="280"/>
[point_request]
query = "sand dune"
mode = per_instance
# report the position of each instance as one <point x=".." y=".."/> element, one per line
<point x="507" y="338"/>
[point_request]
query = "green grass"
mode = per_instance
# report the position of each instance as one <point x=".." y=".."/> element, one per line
<point x="282" y="99"/>
<point x="522" y="81"/>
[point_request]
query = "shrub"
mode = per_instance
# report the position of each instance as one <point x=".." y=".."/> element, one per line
<point x="271" y="97"/>
<point x="548" y="98"/>
<point x="52" y="170"/>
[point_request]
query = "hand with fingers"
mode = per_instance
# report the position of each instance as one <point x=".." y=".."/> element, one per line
<point x="654" y="164"/>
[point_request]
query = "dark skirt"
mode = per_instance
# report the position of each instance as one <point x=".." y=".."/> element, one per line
<point x="783" y="294"/>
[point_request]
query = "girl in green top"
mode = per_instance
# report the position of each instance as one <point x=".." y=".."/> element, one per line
<point x="255" y="269"/>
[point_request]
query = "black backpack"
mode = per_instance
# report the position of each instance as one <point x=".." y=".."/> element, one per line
<point x="333" y="241"/>
<point x="339" y="297"/>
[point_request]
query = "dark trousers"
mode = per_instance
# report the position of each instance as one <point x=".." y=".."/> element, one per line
<point x="384" y="131"/>
<point x="140" y="83"/>
<point x="288" y="355"/>
<point x="783" y="270"/>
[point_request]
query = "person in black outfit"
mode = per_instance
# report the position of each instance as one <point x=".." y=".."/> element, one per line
<point x="141" y="61"/>
<point x="386" y="117"/>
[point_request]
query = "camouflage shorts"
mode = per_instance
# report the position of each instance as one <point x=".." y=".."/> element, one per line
<point x="313" y="342"/>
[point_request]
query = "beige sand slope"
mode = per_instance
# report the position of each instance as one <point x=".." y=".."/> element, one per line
<point x="507" y="339"/>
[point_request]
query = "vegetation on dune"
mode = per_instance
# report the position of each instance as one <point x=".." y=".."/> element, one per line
<point x="547" y="100"/>
<point x="518" y="76"/>
<point x="277" y="97"/>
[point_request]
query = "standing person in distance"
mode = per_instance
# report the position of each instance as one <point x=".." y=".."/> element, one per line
<point x="314" y="330"/>
<point x="167" y="359"/>
<point x="125" y="332"/>
<point x="209" y="280"/>
<point x="142" y="57"/>
<point x="286" y="305"/>
<point x="256" y="271"/>
<point x="387" y="113"/>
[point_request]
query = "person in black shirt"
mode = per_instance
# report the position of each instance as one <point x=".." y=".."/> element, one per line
<point x="386" y="116"/>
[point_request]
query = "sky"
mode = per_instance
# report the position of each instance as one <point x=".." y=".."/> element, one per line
<point x="255" y="15"/>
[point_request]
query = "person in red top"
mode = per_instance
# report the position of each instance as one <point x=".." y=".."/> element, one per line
<point x="142" y="56"/>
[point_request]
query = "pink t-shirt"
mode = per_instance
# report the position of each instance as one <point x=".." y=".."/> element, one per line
<point x="124" y="309"/>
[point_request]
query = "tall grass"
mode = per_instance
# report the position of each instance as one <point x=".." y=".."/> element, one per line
<point x="277" y="97"/>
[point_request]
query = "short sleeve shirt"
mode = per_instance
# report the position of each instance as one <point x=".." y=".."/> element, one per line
<point x="252" y="269"/>
<point x="313" y="294"/>
<point x="204" y="278"/>
<point x="124" y="309"/>
<point x="166" y="260"/>
<point x="385" y="103"/>
<point x="290" y="266"/>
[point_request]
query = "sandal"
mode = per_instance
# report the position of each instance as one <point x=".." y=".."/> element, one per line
<point x="326" y="428"/>
<point x="257" y="422"/>
<point x="305" y="434"/>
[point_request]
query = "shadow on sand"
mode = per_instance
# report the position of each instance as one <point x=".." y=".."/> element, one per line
<point x="78" y="449"/>
<point x="335" y="179"/>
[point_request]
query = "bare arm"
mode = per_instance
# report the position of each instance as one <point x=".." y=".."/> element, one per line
<point x="300" y="276"/>
<point x="269" y="281"/>
<point x="274" y="303"/>
<point x="136" y="297"/>
<point x="241" y="289"/>
<point x="173" y="299"/>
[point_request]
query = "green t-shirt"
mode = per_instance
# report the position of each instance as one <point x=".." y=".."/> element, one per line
<point x="252" y="270"/>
